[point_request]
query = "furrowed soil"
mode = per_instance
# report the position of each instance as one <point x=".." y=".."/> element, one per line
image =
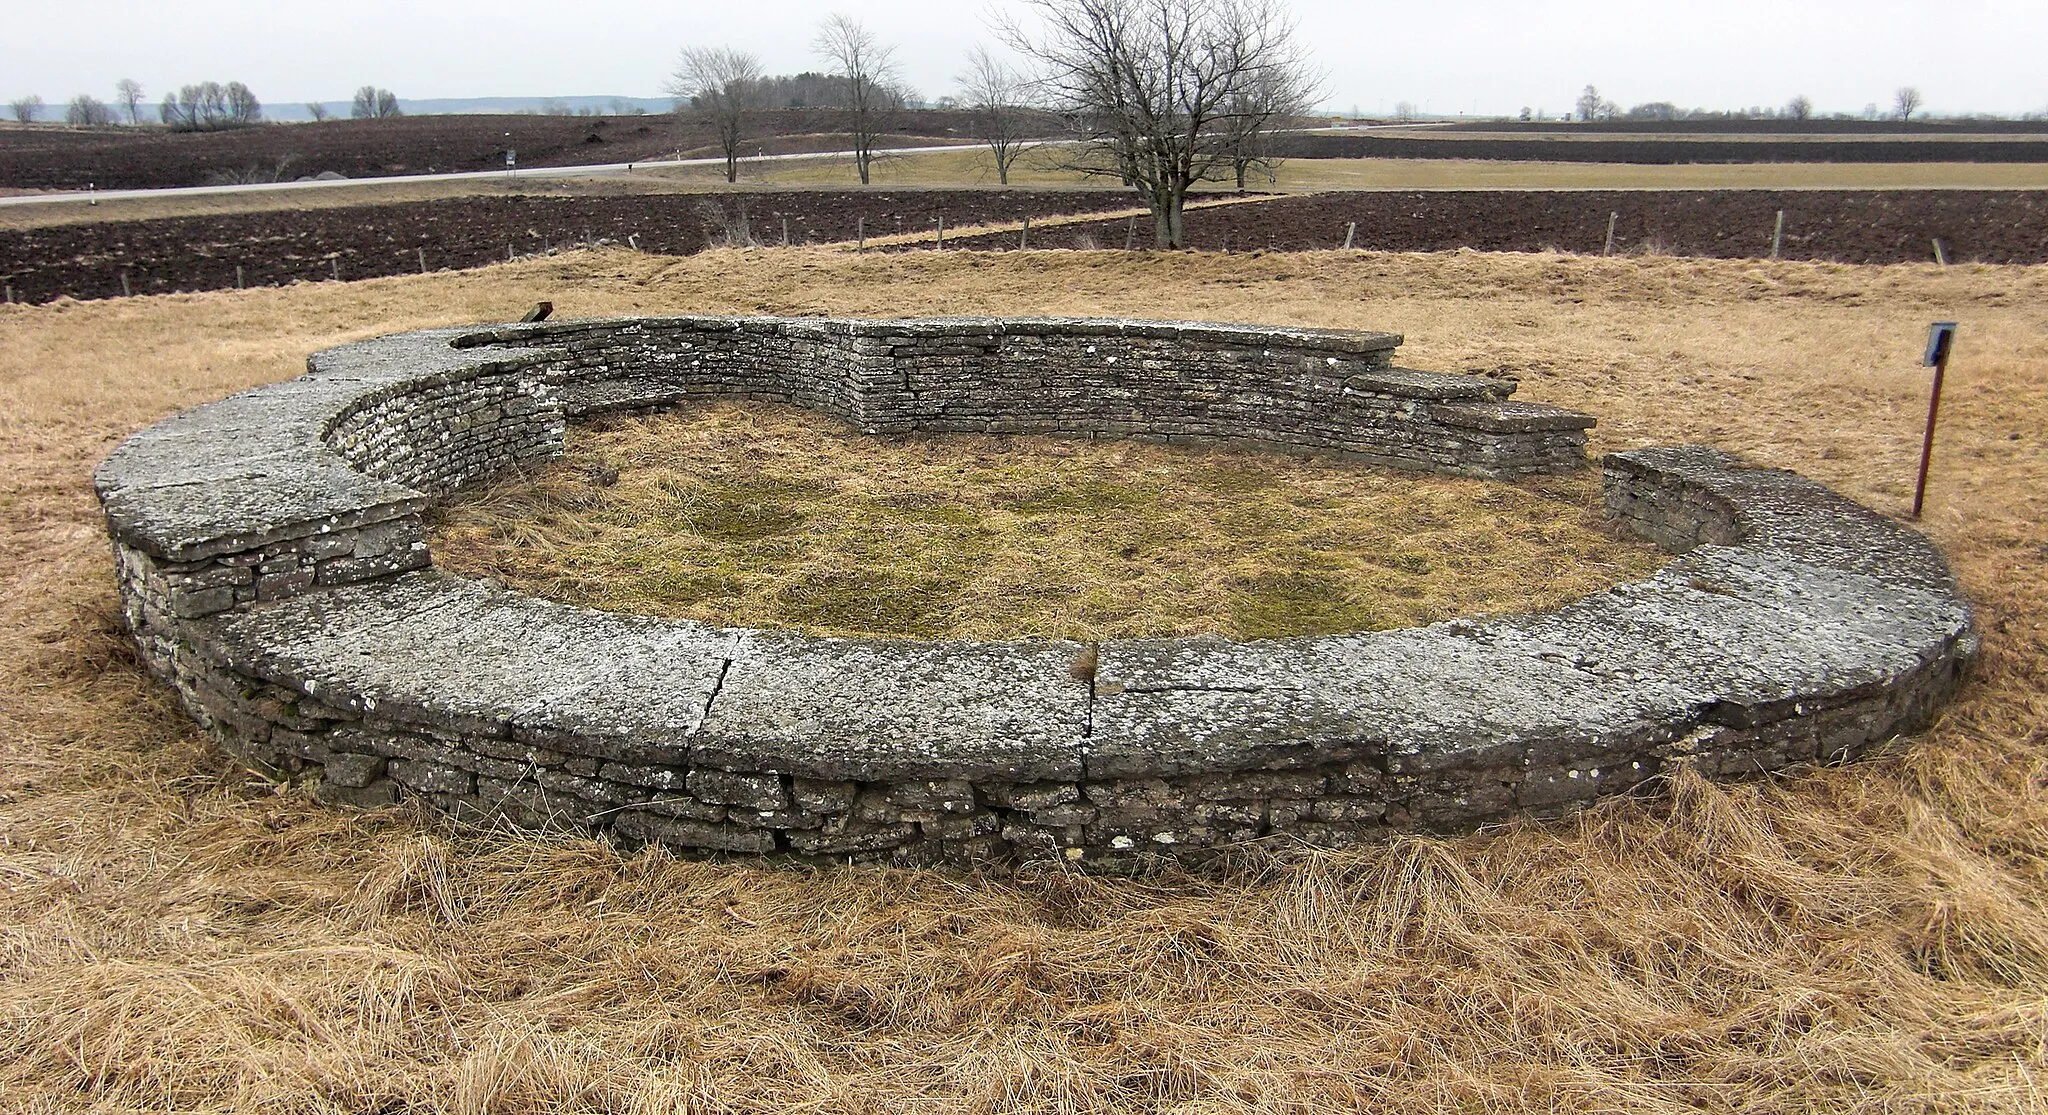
<point x="143" y="158"/>
<point x="176" y="933"/>
<point x="1764" y="127"/>
<point x="1843" y="226"/>
<point x="283" y="246"/>
<point x="1579" y="147"/>
<point x="87" y="261"/>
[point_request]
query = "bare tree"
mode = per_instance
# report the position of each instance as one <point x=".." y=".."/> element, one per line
<point x="372" y="103"/>
<point x="242" y="105"/>
<point x="996" y="97"/>
<point x="1278" y="97"/>
<point x="1799" y="108"/>
<point x="1907" y="101"/>
<point x="868" y="67"/>
<point x="722" y="86"/>
<point x="130" y="92"/>
<point x="1162" y="91"/>
<point x="88" y="112"/>
<point x="1589" y="104"/>
<point x="316" y="110"/>
<point x="26" y="109"/>
<point x="195" y="108"/>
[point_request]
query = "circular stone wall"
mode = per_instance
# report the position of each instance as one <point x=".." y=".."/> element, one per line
<point x="272" y="565"/>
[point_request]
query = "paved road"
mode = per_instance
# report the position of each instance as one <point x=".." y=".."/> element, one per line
<point x="592" y="171"/>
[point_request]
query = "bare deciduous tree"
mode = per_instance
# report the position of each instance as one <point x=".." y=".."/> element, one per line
<point x="209" y="105"/>
<point x="130" y="92"/>
<point x="1277" y="98"/>
<point x="868" y="67"/>
<point x="1799" y="108"/>
<point x="88" y="112"/>
<point x="1589" y="103"/>
<point x="372" y="103"/>
<point x="316" y="110"/>
<point x="1907" y="101"/>
<point x="1163" y="91"/>
<point x="242" y="105"/>
<point x="194" y="107"/>
<point x="997" y="99"/>
<point x="723" y="87"/>
<point x="26" y="109"/>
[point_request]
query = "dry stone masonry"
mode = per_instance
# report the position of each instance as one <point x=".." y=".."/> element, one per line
<point x="272" y="563"/>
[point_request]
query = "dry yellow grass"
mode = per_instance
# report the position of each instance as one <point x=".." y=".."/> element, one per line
<point x="970" y="167"/>
<point x="1472" y="174"/>
<point x="177" y="935"/>
<point x="766" y="516"/>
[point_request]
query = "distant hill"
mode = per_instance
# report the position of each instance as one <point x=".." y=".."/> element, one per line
<point x="486" y="106"/>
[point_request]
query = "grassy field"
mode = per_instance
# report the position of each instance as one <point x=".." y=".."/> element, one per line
<point x="970" y="167"/>
<point x="762" y="516"/>
<point x="177" y="934"/>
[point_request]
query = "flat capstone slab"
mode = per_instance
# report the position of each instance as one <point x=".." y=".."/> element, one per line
<point x="271" y="556"/>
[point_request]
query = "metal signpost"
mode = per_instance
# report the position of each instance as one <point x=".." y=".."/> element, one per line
<point x="1941" y="338"/>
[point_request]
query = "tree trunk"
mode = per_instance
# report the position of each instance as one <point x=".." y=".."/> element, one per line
<point x="1168" y="230"/>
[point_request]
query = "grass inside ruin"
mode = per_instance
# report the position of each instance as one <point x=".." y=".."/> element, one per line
<point x="771" y="516"/>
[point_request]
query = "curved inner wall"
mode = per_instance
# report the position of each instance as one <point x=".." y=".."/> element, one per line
<point x="272" y="566"/>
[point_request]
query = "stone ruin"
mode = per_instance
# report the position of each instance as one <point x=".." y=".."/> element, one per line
<point x="273" y="566"/>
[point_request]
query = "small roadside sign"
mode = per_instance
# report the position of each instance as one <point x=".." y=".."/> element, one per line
<point x="1941" y="340"/>
<point x="1940" y="337"/>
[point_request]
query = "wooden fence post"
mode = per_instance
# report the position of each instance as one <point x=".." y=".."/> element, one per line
<point x="1024" y="238"/>
<point x="1350" y="230"/>
<point x="1778" y="235"/>
<point x="1612" y="219"/>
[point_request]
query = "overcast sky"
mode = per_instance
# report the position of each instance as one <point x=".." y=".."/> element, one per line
<point x="1445" y="56"/>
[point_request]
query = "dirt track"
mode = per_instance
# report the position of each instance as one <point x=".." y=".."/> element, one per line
<point x="272" y="248"/>
<point x="1989" y="226"/>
